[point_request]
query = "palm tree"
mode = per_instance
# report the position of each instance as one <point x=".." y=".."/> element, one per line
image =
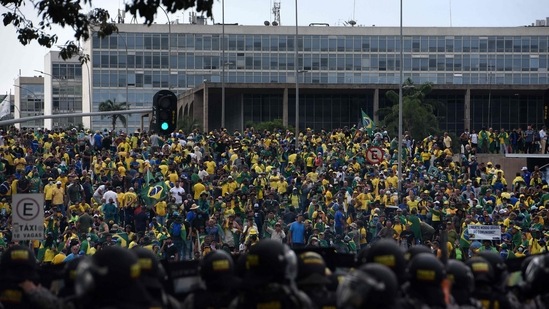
<point x="111" y="105"/>
<point x="419" y="117"/>
<point x="188" y="124"/>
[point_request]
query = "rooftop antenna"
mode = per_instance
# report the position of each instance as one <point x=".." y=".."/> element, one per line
<point x="351" y="22"/>
<point x="120" y="17"/>
<point x="276" y="12"/>
<point x="354" y="10"/>
<point x="450" y="13"/>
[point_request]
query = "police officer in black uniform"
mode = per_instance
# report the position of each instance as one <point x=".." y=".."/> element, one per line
<point x="153" y="277"/>
<point x="424" y="288"/>
<point x="534" y="288"/>
<point x="271" y="269"/>
<point x="312" y="279"/>
<point x="463" y="284"/>
<point x="217" y="271"/>
<point x="486" y="290"/>
<point x="18" y="277"/>
<point x="385" y="252"/>
<point x="371" y="286"/>
<point x="110" y="279"/>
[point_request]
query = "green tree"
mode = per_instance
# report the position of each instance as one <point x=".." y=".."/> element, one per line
<point x="82" y="19"/>
<point x="111" y="105"/>
<point x="188" y="124"/>
<point x="418" y="117"/>
<point x="271" y="126"/>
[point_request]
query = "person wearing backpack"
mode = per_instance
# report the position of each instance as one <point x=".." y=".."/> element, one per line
<point x="178" y="232"/>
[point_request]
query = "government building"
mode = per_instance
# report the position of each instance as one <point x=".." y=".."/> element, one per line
<point x="494" y="77"/>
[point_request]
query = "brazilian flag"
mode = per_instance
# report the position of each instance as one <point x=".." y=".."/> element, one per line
<point x="367" y="123"/>
<point x="153" y="191"/>
<point x="124" y="239"/>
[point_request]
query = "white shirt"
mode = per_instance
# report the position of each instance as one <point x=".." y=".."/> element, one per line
<point x="474" y="138"/>
<point x="278" y="236"/>
<point x="111" y="195"/>
<point x="203" y="174"/>
<point x="542" y="134"/>
<point x="174" y="192"/>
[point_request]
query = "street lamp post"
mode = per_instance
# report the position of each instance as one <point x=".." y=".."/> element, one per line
<point x="296" y="61"/>
<point x="62" y="98"/>
<point x="169" y="46"/>
<point x="222" y="63"/>
<point x="400" y="103"/>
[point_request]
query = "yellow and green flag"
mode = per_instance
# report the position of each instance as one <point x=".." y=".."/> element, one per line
<point x="367" y="123"/>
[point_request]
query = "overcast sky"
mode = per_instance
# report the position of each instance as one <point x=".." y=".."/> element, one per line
<point x="16" y="58"/>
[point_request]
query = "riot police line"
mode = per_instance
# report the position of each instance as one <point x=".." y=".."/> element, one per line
<point x="271" y="275"/>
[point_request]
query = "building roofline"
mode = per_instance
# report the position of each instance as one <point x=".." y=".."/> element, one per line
<point x="338" y="30"/>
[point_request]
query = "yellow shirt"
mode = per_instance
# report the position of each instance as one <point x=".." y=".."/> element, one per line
<point x="173" y="177"/>
<point x="130" y="198"/>
<point x="160" y="208"/>
<point x="210" y="167"/>
<point x="48" y="191"/>
<point x="58" y="258"/>
<point x="197" y="189"/>
<point x="120" y="199"/>
<point x="58" y="196"/>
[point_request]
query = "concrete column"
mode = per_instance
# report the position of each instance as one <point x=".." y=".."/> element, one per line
<point x="241" y="112"/>
<point x="205" y="109"/>
<point x="376" y="105"/>
<point x="467" y="111"/>
<point x="285" y="107"/>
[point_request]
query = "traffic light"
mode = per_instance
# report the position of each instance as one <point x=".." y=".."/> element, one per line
<point x="165" y="110"/>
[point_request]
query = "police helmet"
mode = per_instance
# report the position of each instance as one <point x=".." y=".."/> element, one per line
<point x="536" y="276"/>
<point x="69" y="277"/>
<point x="385" y="252"/>
<point x="462" y="280"/>
<point x="371" y="286"/>
<point x="311" y="269"/>
<point x="109" y="270"/>
<point x="270" y="261"/>
<point x="425" y="269"/>
<point x="153" y="274"/>
<point x="498" y="264"/>
<point x="482" y="270"/>
<point x="18" y="264"/>
<point x="217" y="269"/>
<point x="415" y="250"/>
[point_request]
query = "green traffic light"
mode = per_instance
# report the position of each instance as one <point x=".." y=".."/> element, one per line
<point x="164" y="126"/>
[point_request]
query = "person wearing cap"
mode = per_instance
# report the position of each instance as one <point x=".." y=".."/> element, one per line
<point x="48" y="193"/>
<point x="58" y="197"/>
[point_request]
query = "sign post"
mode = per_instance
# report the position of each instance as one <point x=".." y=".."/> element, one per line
<point x="28" y="216"/>
<point x="374" y="155"/>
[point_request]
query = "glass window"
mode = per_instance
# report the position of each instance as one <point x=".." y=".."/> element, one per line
<point x="148" y="42"/>
<point x="534" y="63"/>
<point x="138" y="41"/>
<point x="147" y="60"/>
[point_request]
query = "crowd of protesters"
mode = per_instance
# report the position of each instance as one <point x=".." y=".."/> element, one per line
<point x="517" y="140"/>
<point x="186" y="195"/>
<point x="232" y="189"/>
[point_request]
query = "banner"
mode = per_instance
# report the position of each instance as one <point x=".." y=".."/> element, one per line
<point x="484" y="232"/>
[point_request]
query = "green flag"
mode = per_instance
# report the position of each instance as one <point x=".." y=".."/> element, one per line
<point x="367" y="123"/>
